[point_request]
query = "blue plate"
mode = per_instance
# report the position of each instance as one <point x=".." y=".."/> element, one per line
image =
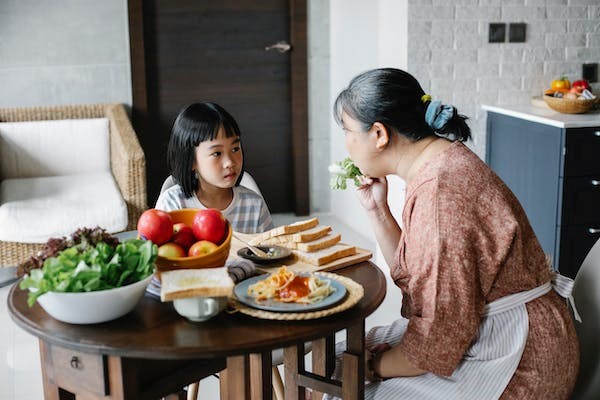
<point x="241" y="293"/>
<point x="122" y="236"/>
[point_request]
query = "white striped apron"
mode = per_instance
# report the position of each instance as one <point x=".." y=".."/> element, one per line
<point x="487" y="366"/>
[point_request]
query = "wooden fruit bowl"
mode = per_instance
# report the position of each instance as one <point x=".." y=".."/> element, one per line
<point x="569" y="106"/>
<point x="212" y="260"/>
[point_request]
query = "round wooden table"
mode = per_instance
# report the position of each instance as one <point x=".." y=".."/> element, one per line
<point x="153" y="351"/>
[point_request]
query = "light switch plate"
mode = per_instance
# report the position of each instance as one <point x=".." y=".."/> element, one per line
<point x="497" y="33"/>
<point x="517" y="32"/>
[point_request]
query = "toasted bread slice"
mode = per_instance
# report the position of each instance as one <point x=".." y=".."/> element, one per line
<point x="206" y="282"/>
<point x="327" y="255"/>
<point x="319" y="244"/>
<point x="300" y="237"/>
<point x="285" y="230"/>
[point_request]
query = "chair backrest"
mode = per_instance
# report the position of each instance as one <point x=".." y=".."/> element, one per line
<point x="247" y="181"/>
<point x="32" y="149"/>
<point x="586" y="293"/>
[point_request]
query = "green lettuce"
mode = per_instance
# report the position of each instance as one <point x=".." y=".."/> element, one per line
<point x="87" y="268"/>
<point x="341" y="171"/>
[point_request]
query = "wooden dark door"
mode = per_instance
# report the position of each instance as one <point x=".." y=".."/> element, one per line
<point x="216" y="51"/>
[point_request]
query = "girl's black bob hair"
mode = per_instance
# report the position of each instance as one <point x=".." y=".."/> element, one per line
<point x="196" y="123"/>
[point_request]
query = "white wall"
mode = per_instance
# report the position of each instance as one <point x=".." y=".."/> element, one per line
<point x="64" y="52"/>
<point x="364" y="35"/>
<point x="449" y="53"/>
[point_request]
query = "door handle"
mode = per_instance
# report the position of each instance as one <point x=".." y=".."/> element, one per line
<point x="595" y="182"/>
<point x="593" y="230"/>
<point x="281" y="47"/>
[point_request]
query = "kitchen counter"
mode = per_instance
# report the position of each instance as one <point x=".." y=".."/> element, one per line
<point x="548" y="117"/>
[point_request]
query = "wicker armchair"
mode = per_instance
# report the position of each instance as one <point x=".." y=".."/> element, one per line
<point x="127" y="161"/>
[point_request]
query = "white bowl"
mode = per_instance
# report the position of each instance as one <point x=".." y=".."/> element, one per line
<point x="200" y="309"/>
<point x="93" y="307"/>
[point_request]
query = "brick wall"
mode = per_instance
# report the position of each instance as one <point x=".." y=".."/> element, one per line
<point x="449" y="53"/>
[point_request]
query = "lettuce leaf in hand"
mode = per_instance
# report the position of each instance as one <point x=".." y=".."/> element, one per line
<point x="341" y="171"/>
<point x="87" y="268"/>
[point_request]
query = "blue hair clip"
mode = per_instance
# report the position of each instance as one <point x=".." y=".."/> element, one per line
<point x="438" y="114"/>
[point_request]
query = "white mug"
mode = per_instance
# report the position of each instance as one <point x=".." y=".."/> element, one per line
<point x="200" y="308"/>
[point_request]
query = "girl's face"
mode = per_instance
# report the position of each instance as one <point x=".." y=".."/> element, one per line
<point x="219" y="161"/>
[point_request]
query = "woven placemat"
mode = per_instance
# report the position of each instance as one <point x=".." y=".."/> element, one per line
<point x="355" y="292"/>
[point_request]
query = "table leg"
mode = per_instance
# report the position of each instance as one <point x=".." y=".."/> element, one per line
<point x="323" y="360"/>
<point x="353" y="375"/>
<point x="293" y="365"/>
<point x="261" y="376"/>
<point x="237" y="378"/>
<point x="51" y="390"/>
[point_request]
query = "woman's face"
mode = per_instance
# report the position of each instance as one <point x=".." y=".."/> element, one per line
<point x="361" y="145"/>
<point x="219" y="161"/>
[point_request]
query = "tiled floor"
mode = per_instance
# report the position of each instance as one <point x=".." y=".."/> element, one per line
<point x="20" y="375"/>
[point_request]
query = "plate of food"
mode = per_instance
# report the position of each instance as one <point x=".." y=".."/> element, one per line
<point x="286" y="291"/>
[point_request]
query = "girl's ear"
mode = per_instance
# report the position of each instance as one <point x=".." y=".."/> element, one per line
<point x="381" y="135"/>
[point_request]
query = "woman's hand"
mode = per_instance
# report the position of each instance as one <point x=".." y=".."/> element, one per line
<point x="372" y="193"/>
<point x="372" y="357"/>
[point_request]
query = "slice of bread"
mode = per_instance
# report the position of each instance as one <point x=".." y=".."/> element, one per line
<point x="300" y="237"/>
<point x="206" y="282"/>
<point x="319" y="244"/>
<point x="327" y="255"/>
<point x="285" y="230"/>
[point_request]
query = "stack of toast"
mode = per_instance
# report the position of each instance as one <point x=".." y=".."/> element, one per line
<point x="310" y="242"/>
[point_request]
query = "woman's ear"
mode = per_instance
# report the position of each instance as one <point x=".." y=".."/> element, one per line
<point x="381" y="135"/>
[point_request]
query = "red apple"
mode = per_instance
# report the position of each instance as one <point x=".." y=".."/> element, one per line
<point x="209" y="224"/>
<point x="202" y="247"/>
<point x="155" y="225"/>
<point x="171" y="250"/>
<point x="183" y="235"/>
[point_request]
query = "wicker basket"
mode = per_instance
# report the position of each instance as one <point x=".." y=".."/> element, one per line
<point x="568" y="106"/>
<point x="212" y="260"/>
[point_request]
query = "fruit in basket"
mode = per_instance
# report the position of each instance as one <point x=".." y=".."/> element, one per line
<point x="209" y="224"/>
<point x="183" y="235"/>
<point x="171" y="250"/>
<point x="581" y="85"/>
<point x="202" y="247"/>
<point x="561" y="84"/>
<point x="155" y="225"/>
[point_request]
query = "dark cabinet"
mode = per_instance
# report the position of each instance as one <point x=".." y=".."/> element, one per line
<point x="555" y="174"/>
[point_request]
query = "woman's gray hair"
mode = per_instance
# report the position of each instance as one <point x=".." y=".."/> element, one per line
<point x="394" y="98"/>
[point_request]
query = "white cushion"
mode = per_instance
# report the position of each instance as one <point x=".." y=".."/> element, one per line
<point x="32" y="210"/>
<point x="53" y="148"/>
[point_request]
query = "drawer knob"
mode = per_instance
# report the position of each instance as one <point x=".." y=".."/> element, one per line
<point x="75" y="363"/>
<point x="597" y="133"/>
<point x="595" y="182"/>
<point x="593" y="230"/>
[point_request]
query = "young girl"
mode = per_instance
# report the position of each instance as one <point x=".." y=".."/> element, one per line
<point x="206" y="161"/>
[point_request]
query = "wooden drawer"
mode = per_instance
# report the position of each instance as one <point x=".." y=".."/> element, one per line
<point x="575" y="243"/>
<point x="581" y="201"/>
<point x="74" y="371"/>
<point x="582" y="150"/>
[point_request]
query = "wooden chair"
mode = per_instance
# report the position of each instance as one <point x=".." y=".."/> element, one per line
<point x="586" y="293"/>
<point x="127" y="162"/>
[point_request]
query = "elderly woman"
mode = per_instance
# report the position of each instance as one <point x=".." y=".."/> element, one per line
<point x="481" y="318"/>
